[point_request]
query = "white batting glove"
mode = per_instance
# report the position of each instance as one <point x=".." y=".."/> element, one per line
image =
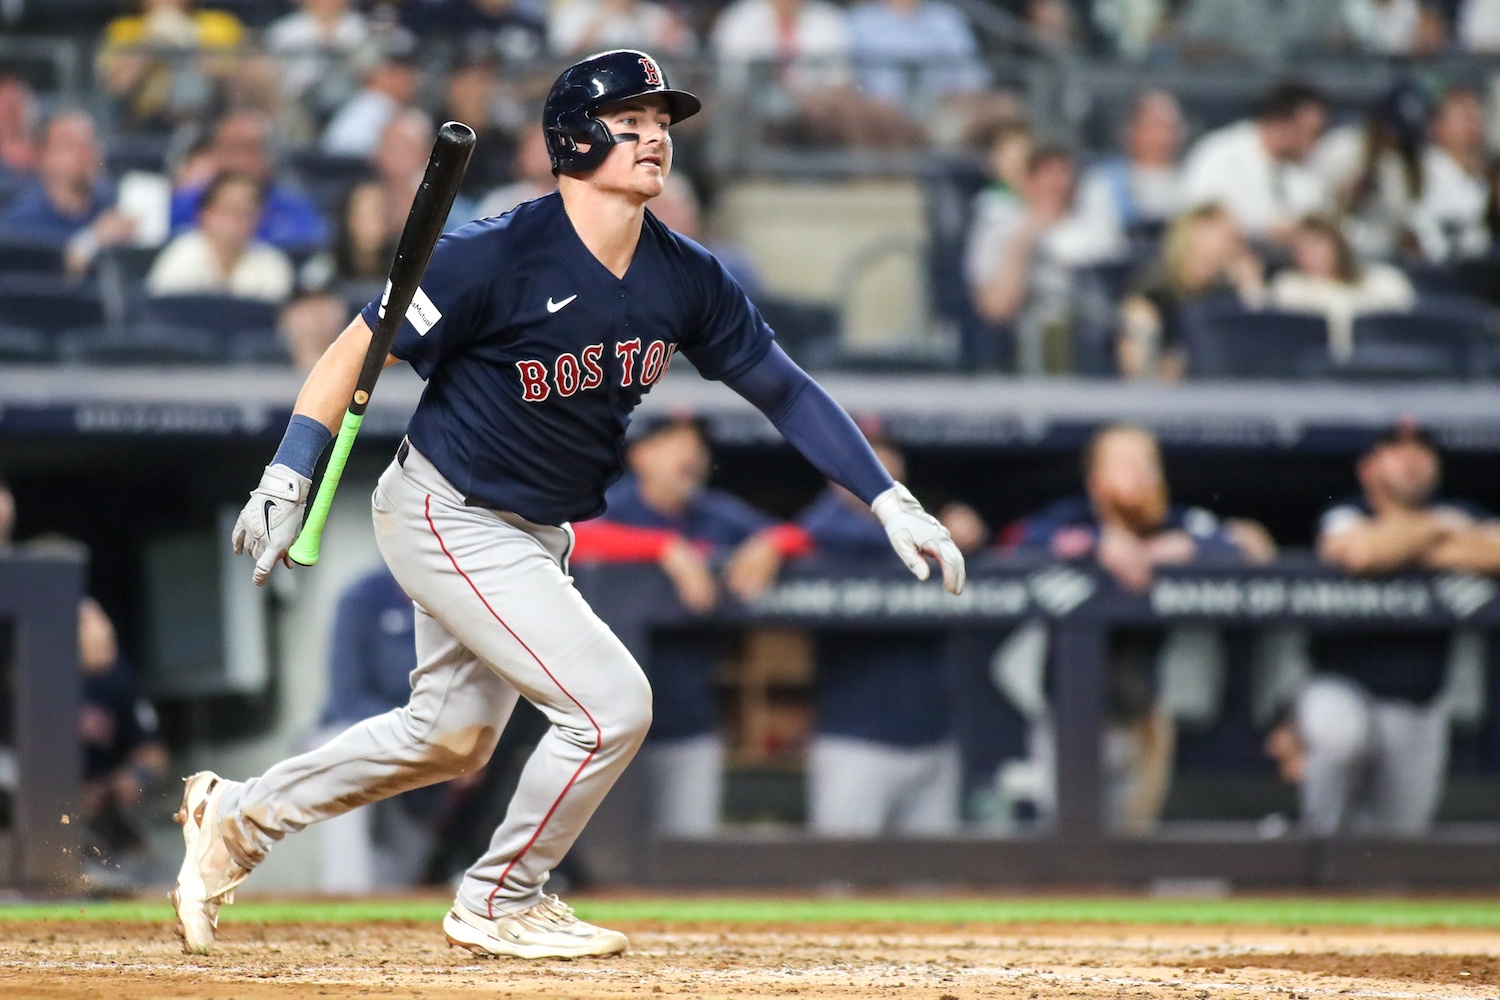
<point x="914" y="533"/>
<point x="272" y="519"/>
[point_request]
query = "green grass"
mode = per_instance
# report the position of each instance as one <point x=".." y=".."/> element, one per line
<point x="1257" y="911"/>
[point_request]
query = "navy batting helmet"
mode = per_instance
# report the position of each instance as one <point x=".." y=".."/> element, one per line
<point x="595" y="83"/>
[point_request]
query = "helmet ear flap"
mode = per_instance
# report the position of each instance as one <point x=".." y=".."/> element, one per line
<point x="563" y="145"/>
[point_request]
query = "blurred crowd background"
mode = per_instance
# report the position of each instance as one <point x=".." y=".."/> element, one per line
<point x="1147" y="190"/>
<point x="1099" y="187"/>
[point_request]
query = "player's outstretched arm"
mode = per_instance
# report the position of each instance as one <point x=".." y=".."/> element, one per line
<point x="271" y="519"/>
<point x="820" y="429"/>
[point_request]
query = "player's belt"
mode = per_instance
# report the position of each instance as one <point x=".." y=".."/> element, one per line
<point x="402" y="452"/>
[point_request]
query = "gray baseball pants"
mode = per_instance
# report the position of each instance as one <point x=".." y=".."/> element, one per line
<point x="861" y="788"/>
<point x="497" y="618"/>
<point x="1373" y="765"/>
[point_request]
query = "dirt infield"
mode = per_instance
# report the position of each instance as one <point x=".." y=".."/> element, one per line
<point x="104" y="961"/>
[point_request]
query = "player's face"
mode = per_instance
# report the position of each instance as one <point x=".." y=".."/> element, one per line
<point x="637" y="168"/>
<point x="1126" y="480"/>
<point x="1405" y="472"/>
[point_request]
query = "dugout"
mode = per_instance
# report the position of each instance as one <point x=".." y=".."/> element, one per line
<point x="238" y="672"/>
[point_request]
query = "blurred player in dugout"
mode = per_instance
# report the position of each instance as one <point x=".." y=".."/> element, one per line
<point x="1366" y="737"/>
<point x="882" y="758"/>
<point x="1126" y="523"/>
<point x="663" y="510"/>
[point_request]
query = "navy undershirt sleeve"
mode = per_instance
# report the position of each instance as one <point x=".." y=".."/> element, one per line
<point x="815" y="425"/>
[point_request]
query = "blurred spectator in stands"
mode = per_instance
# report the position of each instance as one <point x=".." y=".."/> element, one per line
<point x="241" y="145"/>
<point x="793" y="57"/>
<point x="309" y="324"/>
<point x="314" y="46"/>
<point x="471" y="99"/>
<point x="1449" y="218"/>
<point x="1383" y="27"/>
<point x="1479" y="25"/>
<point x="165" y="64"/>
<point x="366" y="242"/>
<point x="221" y="254"/>
<point x="515" y="30"/>
<point x="1257" y="168"/>
<point x="1055" y="24"/>
<point x="1261" y="31"/>
<point x="1326" y="277"/>
<point x="71" y="202"/>
<point x="578" y="27"/>
<point x="1367" y="737"/>
<point x="882" y="758"/>
<point x="1138" y="191"/>
<point x="533" y="178"/>
<point x="1132" y="27"/>
<point x="123" y="753"/>
<point x="400" y="159"/>
<point x="389" y="86"/>
<point x="1204" y="256"/>
<point x="1023" y="259"/>
<point x="1373" y="170"/>
<point x="663" y="511"/>
<point x="7" y="514"/>
<point x="18" y="120"/>
<point x="806" y="40"/>
<point x="678" y="208"/>
<point x="914" y="52"/>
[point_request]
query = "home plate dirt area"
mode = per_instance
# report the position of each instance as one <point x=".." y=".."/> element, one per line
<point x="106" y="960"/>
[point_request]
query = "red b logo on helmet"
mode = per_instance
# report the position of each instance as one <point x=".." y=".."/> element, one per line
<point x="653" y="75"/>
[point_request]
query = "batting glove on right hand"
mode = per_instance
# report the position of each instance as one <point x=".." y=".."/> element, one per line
<point x="272" y="519"/>
<point x="914" y="533"/>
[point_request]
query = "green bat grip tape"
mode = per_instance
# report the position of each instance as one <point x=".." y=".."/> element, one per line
<point x="305" y="550"/>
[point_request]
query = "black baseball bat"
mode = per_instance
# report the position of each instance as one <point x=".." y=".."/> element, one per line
<point x="424" y="224"/>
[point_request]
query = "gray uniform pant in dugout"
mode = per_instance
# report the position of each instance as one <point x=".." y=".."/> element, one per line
<point x="497" y="617"/>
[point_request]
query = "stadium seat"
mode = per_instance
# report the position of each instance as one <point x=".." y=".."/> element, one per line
<point x="140" y="344"/>
<point x="1399" y="362"/>
<point x="1231" y="342"/>
<point x="259" y="347"/>
<point x="221" y="314"/>
<point x="49" y="303"/>
<point x="1451" y="330"/>
<point x="32" y="256"/>
<point x="127" y="264"/>
<point x="22" y="344"/>
<point x="147" y="153"/>
<point x="807" y="330"/>
<point x="314" y="165"/>
<point x="1437" y="279"/>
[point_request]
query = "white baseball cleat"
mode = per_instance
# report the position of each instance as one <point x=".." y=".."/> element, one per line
<point x="209" y="873"/>
<point x="546" y="930"/>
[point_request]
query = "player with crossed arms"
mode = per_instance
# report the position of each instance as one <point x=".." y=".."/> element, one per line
<point x="537" y="332"/>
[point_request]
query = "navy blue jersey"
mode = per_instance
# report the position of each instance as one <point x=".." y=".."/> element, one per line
<point x="131" y="721"/>
<point x="1407" y="664"/>
<point x="888" y="687"/>
<point x="720" y="519"/>
<point x="535" y="354"/>
<point x="1078" y="513"/>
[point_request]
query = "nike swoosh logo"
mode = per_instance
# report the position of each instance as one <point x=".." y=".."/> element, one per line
<point x="553" y="307"/>
<point x="265" y="512"/>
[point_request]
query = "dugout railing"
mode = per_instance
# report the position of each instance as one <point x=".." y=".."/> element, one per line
<point x="1081" y="605"/>
<point x="39" y="696"/>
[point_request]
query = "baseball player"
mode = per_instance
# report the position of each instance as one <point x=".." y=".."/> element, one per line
<point x="538" y="332"/>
